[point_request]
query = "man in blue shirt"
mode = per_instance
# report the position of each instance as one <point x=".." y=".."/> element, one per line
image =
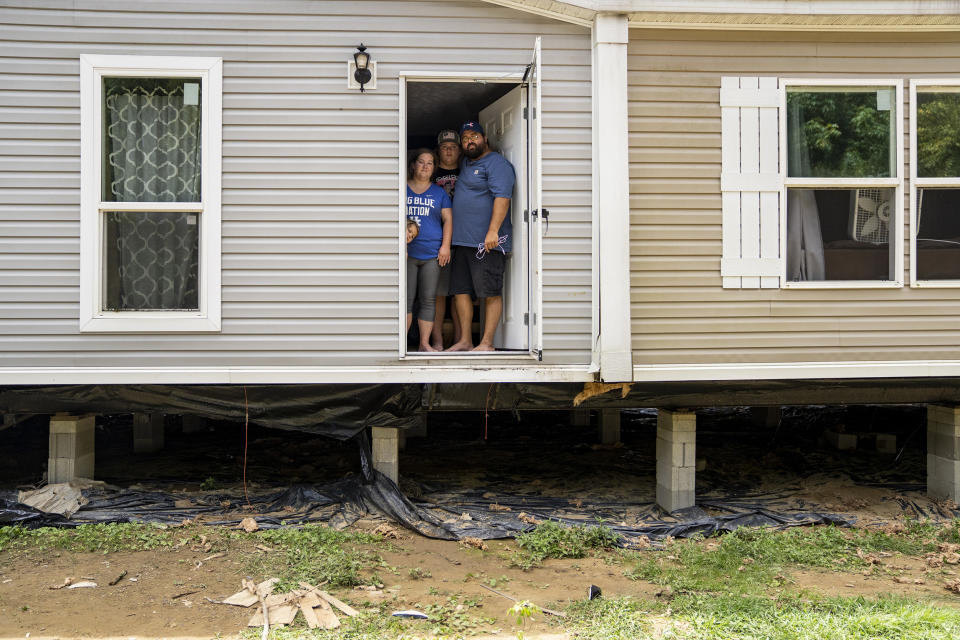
<point x="482" y="235"/>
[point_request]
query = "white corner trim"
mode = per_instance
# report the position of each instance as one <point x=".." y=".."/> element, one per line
<point x="611" y="180"/>
<point x="796" y="370"/>
<point x="611" y="29"/>
<point x="210" y="71"/>
<point x="293" y="375"/>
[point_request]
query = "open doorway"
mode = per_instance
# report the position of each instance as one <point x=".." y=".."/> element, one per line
<point x="505" y="107"/>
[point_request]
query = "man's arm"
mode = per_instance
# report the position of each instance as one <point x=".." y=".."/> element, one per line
<point x="500" y="208"/>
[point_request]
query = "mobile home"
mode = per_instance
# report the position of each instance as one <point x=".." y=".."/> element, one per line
<point x="715" y="203"/>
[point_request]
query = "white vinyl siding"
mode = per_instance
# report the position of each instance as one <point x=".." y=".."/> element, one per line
<point x="309" y="193"/>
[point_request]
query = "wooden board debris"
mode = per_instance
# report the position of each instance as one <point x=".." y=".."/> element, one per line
<point x="342" y="606"/>
<point x="280" y="614"/>
<point x="318" y="613"/>
<point x="248" y="597"/>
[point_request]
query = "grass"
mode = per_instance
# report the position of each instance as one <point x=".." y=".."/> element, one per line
<point x="753" y="560"/>
<point x="106" y="538"/>
<point x="314" y="553"/>
<point x="732" y="617"/>
<point x="457" y="617"/>
<point x="553" y="540"/>
<point x="318" y="554"/>
<point x="366" y="626"/>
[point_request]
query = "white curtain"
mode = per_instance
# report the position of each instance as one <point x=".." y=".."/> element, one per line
<point x="805" y="259"/>
<point x="152" y="149"/>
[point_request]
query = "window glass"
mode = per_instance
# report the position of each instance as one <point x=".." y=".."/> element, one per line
<point x="841" y="132"/>
<point x="840" y="234"/>
<point x="938" y="234"/>
<point x="151" y="260"/>
<point x="151" y="140"/>
<point x="938" y="133"/>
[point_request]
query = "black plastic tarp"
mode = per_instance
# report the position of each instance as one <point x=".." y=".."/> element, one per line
<point x="339" y="411"/>
<point x="371" y="493"/>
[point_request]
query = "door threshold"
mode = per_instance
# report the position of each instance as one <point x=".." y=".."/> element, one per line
<point x="423" y="355"/>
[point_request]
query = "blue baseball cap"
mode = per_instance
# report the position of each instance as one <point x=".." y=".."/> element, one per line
<point x="470" y="125"/>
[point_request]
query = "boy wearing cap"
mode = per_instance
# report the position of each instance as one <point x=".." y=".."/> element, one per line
<point x="482" y="234"/>
<point x="448" y="152"/>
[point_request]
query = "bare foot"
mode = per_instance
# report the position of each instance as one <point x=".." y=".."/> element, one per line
<point x="426" y="347"/>
<point x="461" y="346"/>
<point x="437" y="346"/>
<point x="484" y="346"/>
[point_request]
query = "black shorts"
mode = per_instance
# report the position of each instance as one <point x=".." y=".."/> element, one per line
<point x="481" y="278"/>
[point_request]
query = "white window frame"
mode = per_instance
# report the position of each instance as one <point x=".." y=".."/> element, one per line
<point x="916" y="183"/>
<point x="844" y="183"/>
<point x="93" y="317"/>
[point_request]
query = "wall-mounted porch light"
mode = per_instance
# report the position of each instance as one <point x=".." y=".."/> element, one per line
<point x="362" y="73"/>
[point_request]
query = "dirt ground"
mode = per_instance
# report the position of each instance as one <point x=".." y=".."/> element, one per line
<point x="165" y="594"/>
<point x="147" y="602"/>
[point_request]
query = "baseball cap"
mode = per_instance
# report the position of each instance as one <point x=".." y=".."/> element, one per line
<point x="448" y="135"/>
<point x="470" y="125"/>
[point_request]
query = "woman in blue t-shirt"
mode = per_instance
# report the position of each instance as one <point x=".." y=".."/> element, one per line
<point x="429" y="206"/>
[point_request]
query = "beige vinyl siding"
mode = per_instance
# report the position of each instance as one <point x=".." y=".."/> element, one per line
<point x="680" y="313"/>
<point x="310" y="197"/>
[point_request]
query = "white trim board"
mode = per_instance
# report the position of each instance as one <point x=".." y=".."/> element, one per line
<point x="293" y="375"/>
<point x="796" y="370"/>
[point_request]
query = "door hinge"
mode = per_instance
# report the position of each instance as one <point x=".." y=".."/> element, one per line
<point x="526" y="319"/>
<point x="539" y="353"/>
<point x="526" y="215"/>
<point x="526" y="113"/>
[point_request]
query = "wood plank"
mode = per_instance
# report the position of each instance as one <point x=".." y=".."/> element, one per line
<point x="247" y="598"/>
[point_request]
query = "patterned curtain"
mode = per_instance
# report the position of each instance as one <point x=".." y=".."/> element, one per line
<point x="152" y="154"/>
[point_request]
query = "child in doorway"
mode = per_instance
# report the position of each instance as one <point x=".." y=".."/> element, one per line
<point x="413" y="230"/>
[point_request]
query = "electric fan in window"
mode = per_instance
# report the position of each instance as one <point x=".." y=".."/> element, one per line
<point x="870" y="215"/>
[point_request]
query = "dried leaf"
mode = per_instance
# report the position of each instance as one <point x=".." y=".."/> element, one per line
<point x="476" y="543"/>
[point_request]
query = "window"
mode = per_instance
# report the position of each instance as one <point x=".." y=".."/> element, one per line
<point x="150" y="194"/>
<point x="935" y="183"/>
<point x="842" y="183"/>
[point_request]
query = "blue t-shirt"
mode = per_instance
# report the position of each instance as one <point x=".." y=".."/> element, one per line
<point x="479" y="182"/>
<point x="424" y="209"/>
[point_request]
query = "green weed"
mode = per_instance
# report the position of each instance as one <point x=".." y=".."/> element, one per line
<point x="105" y="538"/>
<point x="554" y="540"/>
<point x="419" y="573"/>
<point x="455" y="616"/>
<point x="317" y="554"/>
<point x="751" y="560"/>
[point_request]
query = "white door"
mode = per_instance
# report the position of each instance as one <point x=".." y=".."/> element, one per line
<point x="537" y="214"/>
<point x="503" y="123"/>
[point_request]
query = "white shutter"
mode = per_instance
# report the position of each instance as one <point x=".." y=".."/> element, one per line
<point x="750" y="183"/>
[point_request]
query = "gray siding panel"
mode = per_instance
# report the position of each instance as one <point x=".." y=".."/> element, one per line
<point x="310" y="254"/>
